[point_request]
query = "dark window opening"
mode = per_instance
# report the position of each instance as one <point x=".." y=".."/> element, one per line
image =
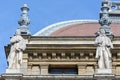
<point x="63" y="70"/>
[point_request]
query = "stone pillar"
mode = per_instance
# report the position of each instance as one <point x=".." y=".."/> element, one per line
<point x="114" y="69"/>
<point x="24" y="66"/>
<point x="81" y="69"/>
<point x="36" y="70"/>
<point x="117" y="69"/>
<point x="44" y="69"/>
<point x="90" y="70"/>
<point x="29" y="70"/>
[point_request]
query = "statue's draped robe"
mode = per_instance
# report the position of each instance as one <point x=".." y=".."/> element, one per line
<point x="103" y="51"/>
<point x="17" y="47"/>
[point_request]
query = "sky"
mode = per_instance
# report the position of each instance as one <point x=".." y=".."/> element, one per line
<point x="42" y="13"/>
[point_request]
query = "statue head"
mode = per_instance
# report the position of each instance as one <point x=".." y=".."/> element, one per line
<point x="18" y="32"/>
<point x="102" y="31"/>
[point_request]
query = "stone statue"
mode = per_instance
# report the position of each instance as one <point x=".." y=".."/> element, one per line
<point x="18" y="45"/>
<point x="103" y="54"/>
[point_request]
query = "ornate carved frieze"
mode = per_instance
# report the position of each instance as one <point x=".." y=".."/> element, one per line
<point x="60" y="56"/>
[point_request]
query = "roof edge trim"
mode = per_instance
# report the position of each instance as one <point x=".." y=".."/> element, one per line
<point x="51" y="28"/>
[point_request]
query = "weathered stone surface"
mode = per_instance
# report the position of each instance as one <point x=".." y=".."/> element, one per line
<point x="104" y="71"/>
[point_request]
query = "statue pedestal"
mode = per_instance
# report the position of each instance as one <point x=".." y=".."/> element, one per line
<point x="13" y="70"/>
<point x="104" y="74"/>
<point x="14" y="76"/>
<point x="104" y="71"/>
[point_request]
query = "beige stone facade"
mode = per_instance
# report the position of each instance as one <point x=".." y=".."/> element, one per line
<point x="64" y="51"/>
<point x="44" y="53"/>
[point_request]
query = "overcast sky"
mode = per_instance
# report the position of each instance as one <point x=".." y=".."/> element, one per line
<point x="42" y="13"/>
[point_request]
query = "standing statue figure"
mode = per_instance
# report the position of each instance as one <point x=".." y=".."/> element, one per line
<point x="103" y="54"/>
<point x="18" y="45"/>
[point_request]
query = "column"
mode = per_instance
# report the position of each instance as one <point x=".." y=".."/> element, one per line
<point x="81" y="69"/>
<point x="44" y="69"/>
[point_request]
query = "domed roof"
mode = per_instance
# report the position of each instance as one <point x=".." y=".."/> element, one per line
<point x="76" y="28"/>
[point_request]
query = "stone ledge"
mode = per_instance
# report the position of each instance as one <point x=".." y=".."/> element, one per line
<point x="58" y="77"/>
<point x="12" y="76"/>
<point x="104" y="76"/>
<point x="44" y="77"/>
<point x="117" y="76"/>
